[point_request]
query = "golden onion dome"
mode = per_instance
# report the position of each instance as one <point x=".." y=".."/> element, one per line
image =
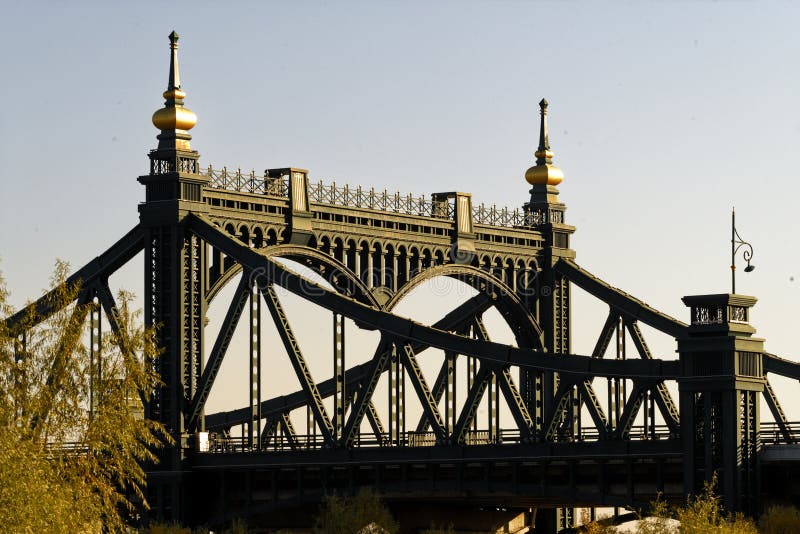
<point x="544" y="172"/>
<point x="173" y="116"/>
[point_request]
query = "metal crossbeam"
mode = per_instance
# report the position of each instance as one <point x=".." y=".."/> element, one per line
<point x="375" y="422"/>
<point x="631" y="409"/>
<point x="662" y="395"/>
<point x="70" y="338"/>
<point x="375" y="367"/>
<point x="423" y="393"/>
<point x="221" y="345"/>
<point x="474" y="396"/>
<point x="355" y="375"/>
<point x="777" y="411"/>
<point x="299" y="363"/>
<point x="268" y="431"/>
<point x="558" y="408"/>
<point x="287" y="431"/>
<point x="595" y="409"/>
<point x="515" y="403"/>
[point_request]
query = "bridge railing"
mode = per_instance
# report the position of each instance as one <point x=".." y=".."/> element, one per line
<point x="771" y="433"/>
<point x="239" y="444"/>
<point x="359" y="197"/>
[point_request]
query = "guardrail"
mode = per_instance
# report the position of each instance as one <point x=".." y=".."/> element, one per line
<point x="359" y="197"/>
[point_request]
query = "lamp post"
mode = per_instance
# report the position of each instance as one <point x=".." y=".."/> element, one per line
<point x="736" y="244"/>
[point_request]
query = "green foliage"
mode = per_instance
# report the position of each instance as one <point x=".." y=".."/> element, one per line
<point x="63" y="466"/>
<point x="780" y="520"/>
<point x="351" y="515"/>
<point x="703" y="514"/>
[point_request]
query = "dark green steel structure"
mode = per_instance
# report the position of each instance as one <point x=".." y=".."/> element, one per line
<point x="565" y="445"/>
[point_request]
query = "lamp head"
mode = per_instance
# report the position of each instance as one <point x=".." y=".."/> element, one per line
<point x="749" y="268"/>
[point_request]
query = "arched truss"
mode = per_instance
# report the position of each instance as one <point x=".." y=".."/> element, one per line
<point x="402" y="339"/>
<point x="457" y="333"/>
<point x="466" y="318"/>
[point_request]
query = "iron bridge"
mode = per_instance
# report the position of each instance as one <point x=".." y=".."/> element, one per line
<point x="561" y="429"/>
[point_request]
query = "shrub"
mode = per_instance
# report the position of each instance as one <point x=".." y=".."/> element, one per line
<point x="349" y="515"/>
<point x="780" y="520"/>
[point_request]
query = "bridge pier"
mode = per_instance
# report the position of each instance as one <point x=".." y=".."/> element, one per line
<point x="723" y="379"/>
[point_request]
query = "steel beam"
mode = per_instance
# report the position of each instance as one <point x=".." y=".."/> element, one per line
<point x="221" y="345"/>
<point x="298" y="363"/>
<point x="254" y="425"/>
<point x="429" y="404"/>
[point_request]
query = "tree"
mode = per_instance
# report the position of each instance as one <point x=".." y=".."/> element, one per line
<point x="349" y="515"/>
<point x="72" y="438"/>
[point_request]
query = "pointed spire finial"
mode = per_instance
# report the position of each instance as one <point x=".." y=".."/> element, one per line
<point x="544" y="172"/>
<point x="173" y="116"/>
<point x="174" y="81"/>
<point x="543" y="154"/>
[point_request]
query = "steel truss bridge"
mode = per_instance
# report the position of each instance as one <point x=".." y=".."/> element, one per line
<point x="559" y="443"/>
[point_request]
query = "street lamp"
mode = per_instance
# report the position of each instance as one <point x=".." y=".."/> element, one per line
<point x="736" y="244"/>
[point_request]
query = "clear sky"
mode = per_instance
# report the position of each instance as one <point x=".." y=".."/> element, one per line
<point x="663" y="116"/>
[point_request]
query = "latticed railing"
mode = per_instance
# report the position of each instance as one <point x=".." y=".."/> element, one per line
<point x="237" y="180"/>
<point x="359" y="197"/>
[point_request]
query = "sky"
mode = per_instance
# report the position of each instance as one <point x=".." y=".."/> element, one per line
<point x="663" y="116"/>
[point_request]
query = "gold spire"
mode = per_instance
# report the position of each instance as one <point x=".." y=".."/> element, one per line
<point x="173" y="116"/>
<point x="544" y="172"/>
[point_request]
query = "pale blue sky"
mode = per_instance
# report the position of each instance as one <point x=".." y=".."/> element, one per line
<point x="663" y="115"/>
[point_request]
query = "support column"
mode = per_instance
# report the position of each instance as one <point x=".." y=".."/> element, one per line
<point x="254" y="427"/>
<point x="338" y="374"/>
<point x="723" y="378"/>
<point x="95" y="354"/>
<point x="396" y="398"/>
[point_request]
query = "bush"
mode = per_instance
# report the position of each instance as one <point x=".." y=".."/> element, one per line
<point x="350" y="515"/>
<point x="780" y="520"/>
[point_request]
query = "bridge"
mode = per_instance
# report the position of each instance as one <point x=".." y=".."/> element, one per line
<point x="561" y="430"/>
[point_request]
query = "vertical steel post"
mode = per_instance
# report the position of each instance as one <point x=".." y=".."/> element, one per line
<point x="338" y="374"/>
<point x="254" y="428"/>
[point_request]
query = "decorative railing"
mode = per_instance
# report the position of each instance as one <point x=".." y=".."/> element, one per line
<point x="231" y="180"/>
<point x="359" y="197"/>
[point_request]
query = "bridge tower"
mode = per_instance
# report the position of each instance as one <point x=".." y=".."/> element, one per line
<point x="551" y="305"/>
<point x="174" y="264"/>
<point x="720" y="394"/>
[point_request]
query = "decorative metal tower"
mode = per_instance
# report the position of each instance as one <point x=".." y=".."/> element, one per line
<point x="174" y="265"/>
<point x="720" y="394"/>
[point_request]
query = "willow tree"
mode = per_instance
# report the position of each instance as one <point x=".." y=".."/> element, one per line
<point x="73" y="442"/>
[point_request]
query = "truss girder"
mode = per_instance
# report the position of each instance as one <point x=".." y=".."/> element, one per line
<point x="288" y="432"/>
<point x="620" y="300"/>
<point x="777" y="412"/>
<point x="374" y="368"/>
<point x="70" y="338"/>
<point x="555" y="415"/>
<point x="474" y="396"/>
<point x="595" y="409"/>
<point x="429" y="404"/>
<point x="100" y="267"/>
<point x="375" y="422"/>
<point x="515" y="403"/>
<point x="631" y="409"/>
<point x="109" y="304"/>
<point x="299" y="363"/>
<point x="662" y="396"/>
<point x="223" y="341"/>
<point x="355" y="375"/>
<point x="780" y="366"/>
<point x="269" y="430"/>
<point x="406" y="329"/>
